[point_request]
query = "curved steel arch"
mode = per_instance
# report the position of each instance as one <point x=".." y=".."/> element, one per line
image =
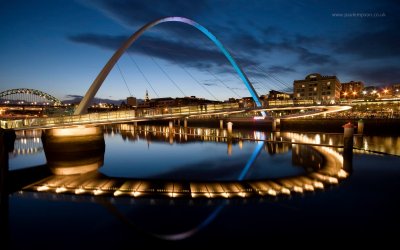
<point x="84" y="104"/>
<point x="30" y="92"/>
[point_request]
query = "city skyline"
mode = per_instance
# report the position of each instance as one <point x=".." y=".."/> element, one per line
<point x="60" y="47"/>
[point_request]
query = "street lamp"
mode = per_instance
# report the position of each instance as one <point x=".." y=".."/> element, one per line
<point x="385" y="91"/>
<point x="354" y="94"/>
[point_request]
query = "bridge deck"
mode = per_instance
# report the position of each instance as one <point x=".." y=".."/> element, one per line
<point x="154" y="114"/>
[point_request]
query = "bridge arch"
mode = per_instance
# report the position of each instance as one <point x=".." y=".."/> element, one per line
<point x="33" y="92"/>
<point x="84" y="104"/>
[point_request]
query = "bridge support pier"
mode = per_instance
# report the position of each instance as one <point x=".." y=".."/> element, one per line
<point x="276" y="124"/>
<point x="221" y="124"/>
<point x="74" y="150"/>
<point x="360" y="126"/>
<point x="348" y="139"/>
<point x="185" y="122"/>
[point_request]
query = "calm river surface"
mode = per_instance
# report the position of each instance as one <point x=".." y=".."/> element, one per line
<point x="364" y="204"/>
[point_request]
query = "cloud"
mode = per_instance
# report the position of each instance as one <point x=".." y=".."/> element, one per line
<point x="73" y="96"/>
<point x="304" y="40"/>
<point x="188" y="54"/>
<point x="312" y="58"/>
<point x="276" y="69"/>
<point x="377" y="37"/>
<point x="377" y="75"/>
<point x="375" y="44"/>
<point x="256" y="36"/>
<point x="137" y="12"/>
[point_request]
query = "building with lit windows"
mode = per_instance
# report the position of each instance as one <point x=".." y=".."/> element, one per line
<point x="277" y="95"/>
<point x="351" y="90"/>
<point x="320" y="89"/>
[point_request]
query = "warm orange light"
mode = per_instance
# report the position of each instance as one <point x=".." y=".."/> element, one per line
<point x="385" y="91"/>
<point x="345" y="93"/>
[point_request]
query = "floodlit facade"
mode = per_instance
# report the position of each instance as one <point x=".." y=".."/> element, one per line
<point x="320" y="89"/>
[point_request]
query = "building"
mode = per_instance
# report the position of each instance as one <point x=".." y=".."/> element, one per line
<point x="162" y="102"/>
<point x="320" y="89"/>
<point x="352" y="89"/>
<point x="277" y="95"/>
<point x="131" y="101"/>
<point x="247" y="102"/>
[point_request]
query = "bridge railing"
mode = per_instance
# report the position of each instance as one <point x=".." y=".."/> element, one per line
<point x="115" y="116"/>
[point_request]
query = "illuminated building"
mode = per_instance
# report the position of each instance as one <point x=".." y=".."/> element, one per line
<point x="321" y="89"/>
<point x="352" y="89"/>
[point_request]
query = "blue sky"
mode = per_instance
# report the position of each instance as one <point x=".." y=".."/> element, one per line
<point x="60" y="46"/>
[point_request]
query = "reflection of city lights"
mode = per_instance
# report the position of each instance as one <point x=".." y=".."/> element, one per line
<point x="79" y="191"/>
<point x="308" y="187"/>
<point x="97" y="192"/>
<point x="328" y="173"/>
<point x="285" y="191"/>
<point x="43" y="188"/>
<point x="317" y="139"/>
<point x="366" y="145"/>
<point x="342" y="174"/>
<point x="318" y="184"/>
<point x="61" y="190"/>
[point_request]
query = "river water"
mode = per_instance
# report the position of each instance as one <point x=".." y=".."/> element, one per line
<point x="365" y="203"/>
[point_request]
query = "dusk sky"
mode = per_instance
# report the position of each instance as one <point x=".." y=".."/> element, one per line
<point x="59" y="47"/>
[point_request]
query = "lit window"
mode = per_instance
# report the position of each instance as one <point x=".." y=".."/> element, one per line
<point x="328" y="83"/>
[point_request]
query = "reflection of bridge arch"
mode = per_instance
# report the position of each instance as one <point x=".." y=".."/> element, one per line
<point x="30" y="95"/>
<point x="82" y="108"/>
<point x="95" y="183"/>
